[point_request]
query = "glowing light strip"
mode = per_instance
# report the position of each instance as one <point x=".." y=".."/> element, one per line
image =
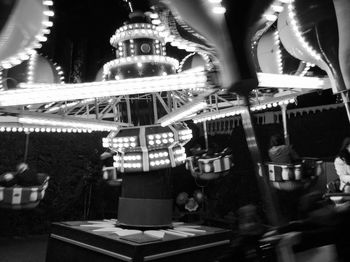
<point x="68" y="122"/>
<point x="46" y="93"/>
<point x="140" y="59"/>
<point x="291" y="81"/>
<point x="182" y="112"/>
<point x="132" y="31"/>
<point x="297" y="32"/>
<point x="40" y="37"/>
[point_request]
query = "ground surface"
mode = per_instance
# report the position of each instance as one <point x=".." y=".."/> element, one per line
<point x="23" y="249"/>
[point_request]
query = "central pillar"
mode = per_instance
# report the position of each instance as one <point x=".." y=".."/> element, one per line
<point x="146" y="200"/>
<point x="266" y="192"/>
<point x="284" y="121"/>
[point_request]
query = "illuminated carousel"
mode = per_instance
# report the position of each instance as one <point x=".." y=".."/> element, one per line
<point x="145" y="97"/>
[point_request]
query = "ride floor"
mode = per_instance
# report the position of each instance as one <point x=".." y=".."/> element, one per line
<point x="23" y="249"/>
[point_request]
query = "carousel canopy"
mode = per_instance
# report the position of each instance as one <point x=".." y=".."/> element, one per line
<point x="168" y="62"/>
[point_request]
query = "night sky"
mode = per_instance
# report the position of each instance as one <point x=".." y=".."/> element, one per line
<point x="90" y="23"/>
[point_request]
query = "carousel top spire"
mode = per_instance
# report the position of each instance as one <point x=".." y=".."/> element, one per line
<point x="139" y="26"/>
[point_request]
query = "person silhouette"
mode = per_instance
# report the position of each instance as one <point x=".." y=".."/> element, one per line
<point x="280" y="153"/>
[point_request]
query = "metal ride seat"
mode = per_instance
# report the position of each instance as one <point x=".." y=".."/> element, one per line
<point x="110" y="176"/>
<point x="337" y="196"/>
<point x="289" y="177"/>
<point x="283" y="248"/>
<point x="17" y="197"/>
<point x="209" y="168"/>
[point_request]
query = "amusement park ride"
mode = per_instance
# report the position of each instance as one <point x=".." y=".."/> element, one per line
<point x="223" y="75"/>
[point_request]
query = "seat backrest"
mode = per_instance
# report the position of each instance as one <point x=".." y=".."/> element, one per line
<point x="216" y="164"/>
<point x="283" y="172"/>
<point x="23" y="195"/>
<point x="333" y="186"/>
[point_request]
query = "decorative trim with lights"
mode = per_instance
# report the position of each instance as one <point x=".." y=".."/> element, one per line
<point x="268" y="18"/>
<point x="278" y="52"/>
<point x="1" y="81"/>
<point x="307" y="68"/>
<point x="137" y="30"/>
<point x="184" y="60"/>
<point x="139" y="60"/>
<point x="31" y="67"/>
<point x="298" y="33"/>
<point x="170" y="33"/>
<point x="271" y="104"/>
<point x="39" y="37"/>
<point x="208" y="64"/>
<point x="275" y="8"/>
<point x="59" y="72"/>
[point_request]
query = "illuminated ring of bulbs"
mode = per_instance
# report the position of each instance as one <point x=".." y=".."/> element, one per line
<point x="133" y="31"/>
<point x="40" y="37"/>
<point x="13" y="129"/>
<point x="139" y="59"/>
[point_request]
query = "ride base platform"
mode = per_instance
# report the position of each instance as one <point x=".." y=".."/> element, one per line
<point x="70" y="241"/>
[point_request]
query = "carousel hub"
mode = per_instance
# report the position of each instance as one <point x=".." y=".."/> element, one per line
<point x="148" y="148"/>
